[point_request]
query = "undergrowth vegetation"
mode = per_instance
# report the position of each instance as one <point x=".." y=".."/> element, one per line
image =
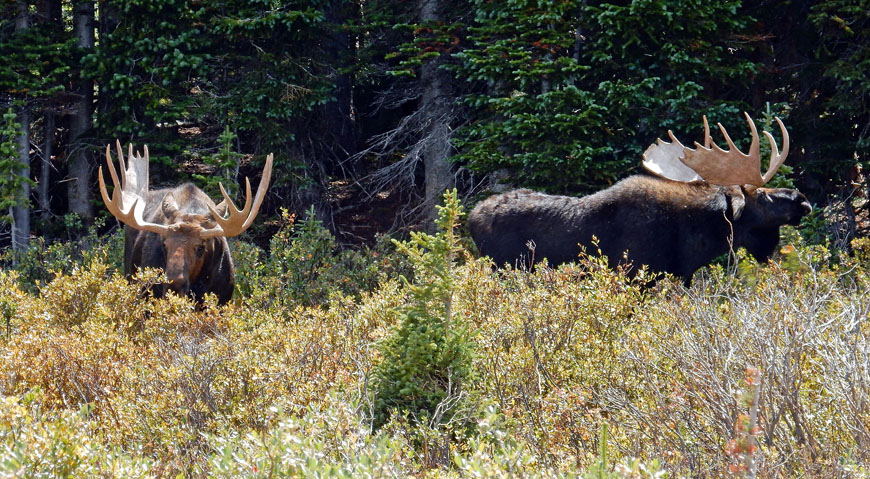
<point x="755" y="370"/>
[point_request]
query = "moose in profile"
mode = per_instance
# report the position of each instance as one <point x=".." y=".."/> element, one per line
<point x="700" y="204"/>
<point x="179" y="230"/>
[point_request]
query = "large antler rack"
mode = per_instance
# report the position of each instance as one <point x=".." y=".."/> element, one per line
<point x="128" y="199"/>
<point x="712" y="164"/>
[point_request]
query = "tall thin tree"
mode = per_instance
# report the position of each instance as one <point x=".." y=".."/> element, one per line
<point x="51" y="14"/>
<point x="79" y="170"/>
<point x="437" y="104"/>
<point x="21" y="211"/>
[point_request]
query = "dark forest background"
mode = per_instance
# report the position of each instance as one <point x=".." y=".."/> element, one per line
<point x="373" y="107"/>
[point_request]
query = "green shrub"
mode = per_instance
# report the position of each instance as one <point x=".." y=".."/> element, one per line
<point x="43" y="260"/>
<point x="305" y="266"/>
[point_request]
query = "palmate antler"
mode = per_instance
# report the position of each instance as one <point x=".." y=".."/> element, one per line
<point x="714" y="165"/>
<point x="129" y="197"/>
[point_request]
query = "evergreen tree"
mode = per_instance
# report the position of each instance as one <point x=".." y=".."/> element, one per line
<point x="825" y="70"/>
<point x="33" y="70"/>
<point x="426" y="365"/>
<point x="10" y="166"/>
<point x="179" y="74"/>
<point x="411" y="48"/>
<point x="570" y="92"/>
<point x="269" y="72"/>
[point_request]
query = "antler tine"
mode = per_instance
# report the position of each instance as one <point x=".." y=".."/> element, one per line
<point x="112" y="171"/>
<point x="111" y="204"/>
<point x="146" y="180"/>
<point x="239" y="220"/>
<point x="674" y="139"/>
<point x="776" y="158"/>
<point x="754" y="150"/>
<point x="261" y="191"/>
<point x="707" y="139"/>
<point x="121" y="162"/>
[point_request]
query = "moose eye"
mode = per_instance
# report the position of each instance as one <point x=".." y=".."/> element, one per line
<point x="200" y="250"/>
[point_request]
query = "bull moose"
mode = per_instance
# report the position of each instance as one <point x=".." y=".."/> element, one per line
<point x="701" y="203"/>
<point x="180" y="229"/>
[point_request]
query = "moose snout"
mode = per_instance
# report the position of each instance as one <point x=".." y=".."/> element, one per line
<point x="176" y="272"/>
<point x="178" y="283"/>
<point x="800" y="210"/>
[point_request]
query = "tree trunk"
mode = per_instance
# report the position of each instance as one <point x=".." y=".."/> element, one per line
<point x="437" y="104"/>
<point x="45" y="167"/>
<point x="50" y="13"/>
<point x="79" y="170"/>
<point x="109" y="21"/>
<point x="337" y="117"/>
<point x="21" y="211"/>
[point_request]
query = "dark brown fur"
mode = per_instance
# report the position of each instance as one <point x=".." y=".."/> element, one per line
<point x="672" y="227"/>
<point x="193" y="266"/>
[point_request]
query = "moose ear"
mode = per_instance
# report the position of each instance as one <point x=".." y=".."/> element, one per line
<point x="738" y="201"/>
<point x="169" y="206"/>
<point x="221" y="208"/>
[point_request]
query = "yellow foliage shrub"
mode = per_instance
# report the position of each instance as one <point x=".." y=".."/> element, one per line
<point x="97" y="371"/>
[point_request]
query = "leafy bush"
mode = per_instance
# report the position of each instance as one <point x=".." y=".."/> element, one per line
<point x="42" y="260"/>
<point x="328" y="442"/>
<point x="549" y="344"/>
<point x="305" y="266"/>
<point x="37" y="442"/>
